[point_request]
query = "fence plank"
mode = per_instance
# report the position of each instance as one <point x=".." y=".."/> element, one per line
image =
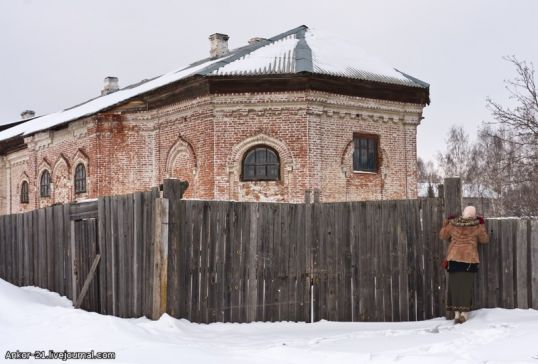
<point x="262" y="237"/>
<point x="109" y="260"/>
<point x="520" y="252"/>
<point x="101" y="235"/>
<point x="211" y="263"/>
<point x="51" y="259"/>
<point x="494" y="263"/>
<point x="308" y="234"/>
<point x="28" y="255"/>
<point x="160" y="258"/>
<point x="172" y="190"/>
<point x="58" y="246"/>
<point x="115" y="207"/>
<point x="195" y="261"/>
<point x="12" y="255"/>
<point x="122" y="254"/>
<point x="235" y="279"/>
<point x="137" y="253"/>
<point x="130" y="249"/>
<point x="221" y="260"/>
<point x="287" y="274"/>
<point x="204" y="259"/>
<point x="243" y="231"/>
<point x="428" y="236"/>
<point x="186" y="262"/>
<point x="253" y="282"/>
<point x="402" y="262"/>
<point x="533" y="254"/>
<point x="42" y="248"/>
<point x="436" y="254"/>
<point x="507" y="264"/>
<point x="21" y="249"/>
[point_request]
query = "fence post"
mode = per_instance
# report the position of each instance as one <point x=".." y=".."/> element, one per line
<point x="452" y="196"/>
<point x="160" y="260"/>
<point x="307" y="196"/>
<point x="173" y="190"/>
<point x="440" y="191"/>
<point x="317" y="195"/>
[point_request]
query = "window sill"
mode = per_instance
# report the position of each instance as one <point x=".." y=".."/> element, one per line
<point x="260" y="180"/>
<point x="365" y="172"/>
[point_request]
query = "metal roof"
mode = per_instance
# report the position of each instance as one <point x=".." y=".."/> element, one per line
<point x="298" y="50"/>
<point x="305" y="50"/>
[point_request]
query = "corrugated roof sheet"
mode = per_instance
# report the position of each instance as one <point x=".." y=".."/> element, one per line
<point x="297" y="50"/>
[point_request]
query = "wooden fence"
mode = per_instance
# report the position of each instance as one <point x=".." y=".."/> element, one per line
<point x="55" y="247"/>
<point x="210" y="261"/>
<point x="365" y="261"/>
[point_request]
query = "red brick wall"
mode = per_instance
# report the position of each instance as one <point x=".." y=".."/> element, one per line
<point x="332" y="126"/>
<point x="204" y="140"/>
<point x="277" y="120"/>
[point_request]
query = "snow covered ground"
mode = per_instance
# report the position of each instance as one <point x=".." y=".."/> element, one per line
<point x="33" y="319"/>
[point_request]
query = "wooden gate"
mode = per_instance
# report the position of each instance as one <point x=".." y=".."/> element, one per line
<point x="85" y="258"/>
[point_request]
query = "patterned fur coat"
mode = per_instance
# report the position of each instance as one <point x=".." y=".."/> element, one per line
<point x="464" y="235"/>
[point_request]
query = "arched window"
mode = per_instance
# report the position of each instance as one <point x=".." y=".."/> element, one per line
<point x="24" y="192"/>
<point x="80" y="178"/>
<point x="261" y="163"/>
<point x="45" y="184"/>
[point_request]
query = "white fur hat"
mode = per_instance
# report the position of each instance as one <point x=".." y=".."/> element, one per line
<point x="469" y="211"/>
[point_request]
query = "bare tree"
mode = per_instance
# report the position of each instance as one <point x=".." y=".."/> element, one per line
<point x="489" y="173"/>
<point x="455" y="161"/>
<point x="512" y="148"/>
<point x="427" y="174"/>
<point x="422" y="175"/>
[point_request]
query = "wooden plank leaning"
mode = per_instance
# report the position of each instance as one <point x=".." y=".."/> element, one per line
<point x="88" y="280"/>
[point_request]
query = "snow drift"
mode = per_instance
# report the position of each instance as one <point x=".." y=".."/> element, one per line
<point x="35" y="319"/>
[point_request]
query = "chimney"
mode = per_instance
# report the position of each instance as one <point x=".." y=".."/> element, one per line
<point x="111" y="85"/>
<point x="255" y="40"/>
<point x="27" y="114"/>
<point x="219" y="45"/>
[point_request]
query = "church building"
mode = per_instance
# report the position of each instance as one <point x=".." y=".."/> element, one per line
<point x="270" y="121"/>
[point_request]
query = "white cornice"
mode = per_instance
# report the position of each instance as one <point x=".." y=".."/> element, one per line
<point x="17" y="157"/>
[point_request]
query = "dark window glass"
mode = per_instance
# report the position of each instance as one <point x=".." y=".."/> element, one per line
<point x="365" y="153"/>
<point x="24" y="192"/>
<point x="80" y="178"/>
<point x="45" y="184"/>
<point x="261" y="164"/>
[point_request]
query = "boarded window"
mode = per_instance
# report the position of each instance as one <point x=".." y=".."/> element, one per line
<point x="45" y="184"/>
<point x="261" y="163"/>
<point x="365" y="154"/>
<point x="80" y="178"/>
<point x="24" y="192"/>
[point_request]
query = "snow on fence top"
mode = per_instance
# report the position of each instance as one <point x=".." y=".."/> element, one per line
<point x="297" y="50"/>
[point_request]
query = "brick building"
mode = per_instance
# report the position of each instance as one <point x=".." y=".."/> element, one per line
<point x="264" y="122"/>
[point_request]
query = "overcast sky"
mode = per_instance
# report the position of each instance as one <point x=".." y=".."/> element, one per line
<point x="55" y="54"/>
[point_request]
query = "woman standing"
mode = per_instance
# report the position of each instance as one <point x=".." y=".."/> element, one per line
<point x="464" y="233"/>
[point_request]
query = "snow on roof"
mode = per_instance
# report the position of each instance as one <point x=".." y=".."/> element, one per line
<point x="335" y="56"/>
<point x="275" y="57"/>
<point x="100" y="103"/>
<point x="297" y="50"/>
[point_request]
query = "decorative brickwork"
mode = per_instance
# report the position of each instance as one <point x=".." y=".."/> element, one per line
<point x="203" y="140"/>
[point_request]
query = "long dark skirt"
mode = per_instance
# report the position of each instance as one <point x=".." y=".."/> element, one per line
<point x="460" y="291"/>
